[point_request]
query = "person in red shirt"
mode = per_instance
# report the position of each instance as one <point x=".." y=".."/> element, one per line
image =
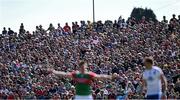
<point x="40" y="92"/>
<point x="10" y="96"/>
<point x="67" y="28"/>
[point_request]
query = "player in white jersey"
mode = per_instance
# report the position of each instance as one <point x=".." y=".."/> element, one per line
<point x="154" y="81"/>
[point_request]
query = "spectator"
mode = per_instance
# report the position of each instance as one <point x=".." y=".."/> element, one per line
<point x="143" y="20"/>
<point x="23" y="57"/>
<point x="173" y="18"/>
<point x="177" y="86"/>
<point x="164" y="20"/>
<point x="89" y="25"/>
<point x="51" y="28"/>
<point x="22" y="30"/>
<point x="10" y="32"/>
<point x="67" y="28"/>
<point x="75" y="27"/>
<point x="115" y="25"/>
<point x="171" y="26"/>
<point x="60" y="29"/>
<point x="123" y="24"/>
<point x="41" y="29"/>
<point x="4" y="32"/>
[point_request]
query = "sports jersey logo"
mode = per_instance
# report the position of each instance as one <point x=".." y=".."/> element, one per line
<point x="150" y="78"/>
<point x="154" y="72"/>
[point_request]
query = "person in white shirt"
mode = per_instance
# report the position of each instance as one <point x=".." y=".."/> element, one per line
<point x="154" y="81"/>
<point x="60" y="29"/>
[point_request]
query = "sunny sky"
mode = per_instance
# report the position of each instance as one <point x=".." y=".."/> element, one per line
<point x="36" y="12"/>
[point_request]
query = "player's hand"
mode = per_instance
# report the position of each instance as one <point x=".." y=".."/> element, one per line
<point x="115" y="75"/>
<point x="164" y="97"/>
<point x="50" y="70"/>
<point x="144" y="92"/>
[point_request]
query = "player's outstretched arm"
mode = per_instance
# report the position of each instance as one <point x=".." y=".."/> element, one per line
<point x="103" y="76"/>
<point x="59" y="73"/>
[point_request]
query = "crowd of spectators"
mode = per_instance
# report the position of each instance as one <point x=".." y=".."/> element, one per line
<point x="109" y="47"/>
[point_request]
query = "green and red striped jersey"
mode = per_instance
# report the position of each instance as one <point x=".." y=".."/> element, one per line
<point x="83" y="82"/>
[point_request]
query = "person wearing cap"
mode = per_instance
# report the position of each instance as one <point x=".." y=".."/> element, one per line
<point x="83" y="80"/>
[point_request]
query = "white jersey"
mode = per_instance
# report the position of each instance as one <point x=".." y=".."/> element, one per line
<point x="152" y="78"/>
<point x="88" y="97"/>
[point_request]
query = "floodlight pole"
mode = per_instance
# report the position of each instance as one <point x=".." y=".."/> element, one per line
<point x="93" y="12"/>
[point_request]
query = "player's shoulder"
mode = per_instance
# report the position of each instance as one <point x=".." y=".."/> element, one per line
<point x="75" y="72"/>
<point x="156" y="68"/>
<point x="153" y="68"/>
<point x="92" y="74"/>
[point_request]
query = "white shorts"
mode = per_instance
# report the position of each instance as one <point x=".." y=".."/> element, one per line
<point x="79" y="97"/>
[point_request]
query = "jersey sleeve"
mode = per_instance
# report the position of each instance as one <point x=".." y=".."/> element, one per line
<point x="160" y="70"/>
<point x="92" y="75"/>
<point x="73" y="74"/>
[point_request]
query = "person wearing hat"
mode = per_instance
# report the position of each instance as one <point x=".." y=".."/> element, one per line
<point x="83" y="80"/>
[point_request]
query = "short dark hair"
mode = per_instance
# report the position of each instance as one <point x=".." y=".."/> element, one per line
<point x="82" y="63"/>
<point x="149" y="60"/>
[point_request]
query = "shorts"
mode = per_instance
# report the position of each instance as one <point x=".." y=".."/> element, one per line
<point x="79" y="97"/>
<point x="154" y="97"/>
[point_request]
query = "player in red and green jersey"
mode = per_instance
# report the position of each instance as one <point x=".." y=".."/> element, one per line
<point x="83" y="80"/>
